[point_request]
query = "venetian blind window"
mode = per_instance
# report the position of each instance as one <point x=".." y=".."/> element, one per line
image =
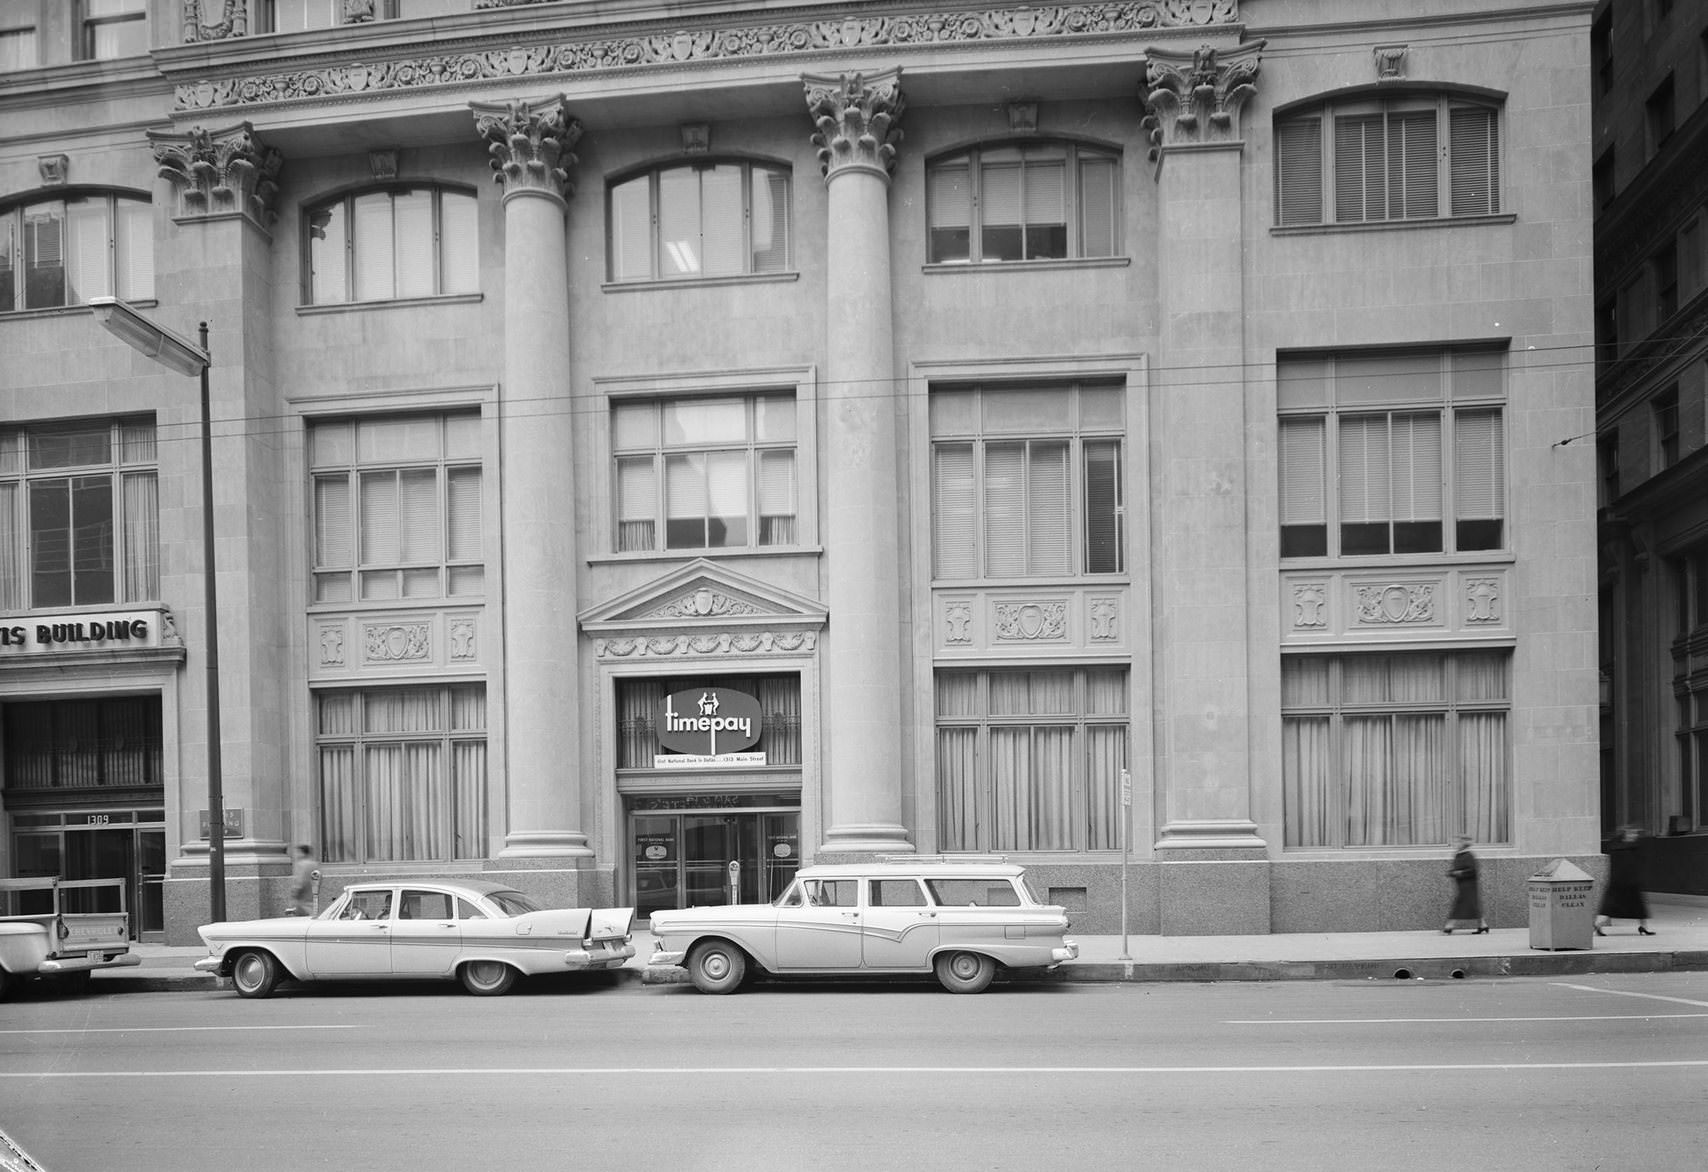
<point x="79" y="514"/>
<point x="1027" y="481"/>
<point x="1030" y="760"/>
<point x="1036" y="201"/>
<point x="1412" y="158"/>
<point x="62" y="252"/>
<point x="402" y="774"/>
<point x="17" y="48"/>
<point x="397" y="508"/>
<point x="711" y="219"/>
<point x="1392" y="453"/>
<point x="1395" y="750"/>
<point x="715" y="473"/>
<point x="391" y="244"/>
<point x="114" y="28"/>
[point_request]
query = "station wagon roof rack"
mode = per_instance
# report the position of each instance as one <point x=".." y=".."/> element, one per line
<point x="966" y="858"/>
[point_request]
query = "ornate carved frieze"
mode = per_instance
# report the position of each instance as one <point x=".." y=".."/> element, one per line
<point x="397" y="642"/>
<point x="702" y="603"/>
<point x="1396" y="604"/>
<point x="856" y="118"/>
<point x="1031" y="622"/>
<point x="672" y="46"/>
<point x="1197" y="98"/>
<point x="220" y="171"/>
<point x="234" y="22"/>
<point x="532" y="144"/>
<point x="718" y="644"/>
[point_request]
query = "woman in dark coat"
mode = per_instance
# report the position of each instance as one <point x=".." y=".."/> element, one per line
<point x="1467" y="897"/>
<point x="1624" y="899"/>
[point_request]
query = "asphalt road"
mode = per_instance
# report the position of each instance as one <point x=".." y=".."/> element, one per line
<point x="1606" y="1072"/>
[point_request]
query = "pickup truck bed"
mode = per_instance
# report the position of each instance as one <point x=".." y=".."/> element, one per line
<point x="58" y="943"/>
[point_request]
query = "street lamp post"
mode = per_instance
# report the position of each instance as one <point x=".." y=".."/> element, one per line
<point x="186" y="357"/>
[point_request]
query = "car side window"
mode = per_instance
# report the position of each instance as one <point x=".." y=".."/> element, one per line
<point x="368" y="905"/>
<point x="424" y="905"/>
<point x="467" y="911"/>
<point x="832" y="893"/>
<point x="896" y="893"/>
<point x="974" y="892"/>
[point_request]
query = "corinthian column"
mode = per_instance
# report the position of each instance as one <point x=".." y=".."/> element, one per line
<point x="1200" y="585"/>
<point x="531" y="145"/>
<point x="856" y="119"/>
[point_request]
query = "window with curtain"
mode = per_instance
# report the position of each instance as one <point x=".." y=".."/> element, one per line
<point x="113" y="28"/>
<point x="293" y="16"/>
<point x="1392" y="453"/>
<point x="79" y="513"/>
<point x="779" y="699"/>
<point x="1037" y="200"/>
<point x="62" y="252"/>
<point x="402" y="774"/>
<point x="1405" y="749"/>
<point x="704" y="473"/>
<point x="80" y="744"/>
<point x="17" y="44"/>
<point x="1031" y="760"/>
<point x="1412" y="157"/>
<point x="1027" y="481"/>
<point x="708" y="218"/>
<point x="392" y="244"/>
<point x="397" y="507"/>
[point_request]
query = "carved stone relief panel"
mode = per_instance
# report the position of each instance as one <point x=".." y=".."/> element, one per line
<point x="393" y="644"/>
<point x="1395" y="603"/>
<point x="978" y="620"/>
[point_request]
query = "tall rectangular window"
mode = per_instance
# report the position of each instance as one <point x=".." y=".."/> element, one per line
<point x="17" y="48"/>
<point x="397" y="508"/>
<point x="707" y="219"/>
<point x="1392" y="453"/>
<point x="1660" y="114"/>
<point x="79" y="514"/>
<point x="392" y="244"/>
<point x="113" y="29"/>
<point x="81" y="744"/>
<point x="1027" y="201"/>
<point x="1415" y="158"/>
<point x="402" y="774"/>
<point x="1031" y="760"/>
<point x="1690" y="685"/>
<point x="1028" y="481"/>
<point x="1403" y="749"/>
<point x="1666" y="428"/>
<point x="704" y="473"/>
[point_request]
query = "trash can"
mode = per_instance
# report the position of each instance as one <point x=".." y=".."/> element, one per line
<point x="1562" y="907"/>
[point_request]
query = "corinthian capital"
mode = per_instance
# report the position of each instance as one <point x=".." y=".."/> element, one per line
<point x="856" y="118"/>
<point x="532" y="144"/>
<point x="219" y="172"/>
<point x="1197" y="99"/>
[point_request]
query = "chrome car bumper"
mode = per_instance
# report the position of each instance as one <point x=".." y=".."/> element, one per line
<point x="665" y="958"/>
<point x="208" y="964"/>
<point x="1068" y="951"/>
<point x="83" y="964"/>
<point x="609" y="956"/>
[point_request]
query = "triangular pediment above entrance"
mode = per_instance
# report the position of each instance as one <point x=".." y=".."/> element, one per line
<point x="703" y="594"/>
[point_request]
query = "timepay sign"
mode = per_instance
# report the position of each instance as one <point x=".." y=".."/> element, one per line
<point x="708" y="721"/>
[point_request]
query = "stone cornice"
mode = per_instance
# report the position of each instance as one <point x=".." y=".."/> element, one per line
<point x="660" y="44"/>
<point x="220" y="172"/>
<point x="856" y="118"/>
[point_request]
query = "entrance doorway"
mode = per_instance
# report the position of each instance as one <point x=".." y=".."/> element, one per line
<point x="119" y="844"/>
<point x="710" y="857"/>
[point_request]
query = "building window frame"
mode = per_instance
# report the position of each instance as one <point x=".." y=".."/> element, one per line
<point x="1439" y="152"/>
<point x="644" y="206"/>
<point x="19" y="48"/>
<point x="1375" y="753"/>
<point x="396" y="517"/>
<point x="1690" y="686"/>
<point x="1664" y="411"/>
<point x="427" y="246"/>
<point x="1660" y="114"/>
<point x="110" y="30"/>
<point x="1078" y="217"/>
<point x="401" y="773"/>
<point x="59" y="251"/>
<point x="1392" y="453"/>
<point x="91" y="488"/>
<point x="622" y="395"/>
<point x="1030" y="758"/>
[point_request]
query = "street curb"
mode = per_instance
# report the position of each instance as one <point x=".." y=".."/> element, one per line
<point x="1538" y="964"/>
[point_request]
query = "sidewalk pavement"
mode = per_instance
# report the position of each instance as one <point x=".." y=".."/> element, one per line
<point x="1680" y="944"/>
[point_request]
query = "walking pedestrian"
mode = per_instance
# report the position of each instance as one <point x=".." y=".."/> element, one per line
<point x="302" y="881"/>
<point x="1623" y="898"/>
<point x="1467" y="906"/>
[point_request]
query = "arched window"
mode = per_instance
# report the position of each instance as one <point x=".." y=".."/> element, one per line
<point x="65" y="250"/>
<point x="1416" y="155"/>
<point x="392" y="243"/>
<point x="700" y="219"/>
<point x="1024" y="201"/>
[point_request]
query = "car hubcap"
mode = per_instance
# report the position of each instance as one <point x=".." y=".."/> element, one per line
<point x="715" y="965"/>
<point x="248" y="972"/>
<point x="486" y="974"/>
<point x="965" y="967"/>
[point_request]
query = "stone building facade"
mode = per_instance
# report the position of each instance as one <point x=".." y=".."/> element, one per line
<point x="1650" y="64"/>
<point x="1087" y="433"/>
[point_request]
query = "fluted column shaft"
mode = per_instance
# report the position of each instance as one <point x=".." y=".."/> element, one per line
<point x="863" y="666"/>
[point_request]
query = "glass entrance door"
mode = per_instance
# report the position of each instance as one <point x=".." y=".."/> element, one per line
<point x="709" y="858"/>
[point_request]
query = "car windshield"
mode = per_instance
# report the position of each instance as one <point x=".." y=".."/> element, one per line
<point x="512" y="903"/>
<point x="791" y="896"/>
